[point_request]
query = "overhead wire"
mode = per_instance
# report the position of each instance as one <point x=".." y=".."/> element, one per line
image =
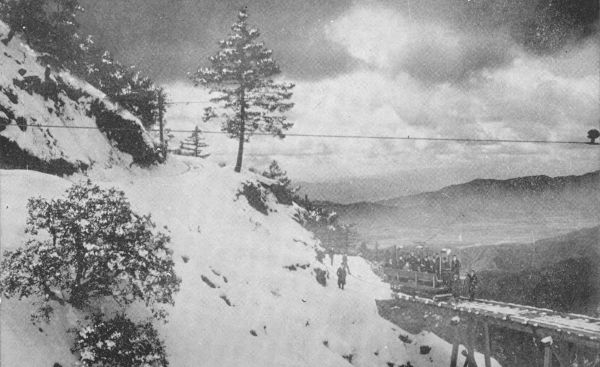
<point x="339" y="136"/>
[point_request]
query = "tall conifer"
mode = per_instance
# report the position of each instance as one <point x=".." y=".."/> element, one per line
<point x="241" y="74"/>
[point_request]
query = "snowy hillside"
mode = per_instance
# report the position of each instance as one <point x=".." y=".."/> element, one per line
<point x="248" y="297"/>
<point x="58" y="101"/>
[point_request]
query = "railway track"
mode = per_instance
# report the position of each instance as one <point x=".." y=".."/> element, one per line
<point x="564" y="324"/>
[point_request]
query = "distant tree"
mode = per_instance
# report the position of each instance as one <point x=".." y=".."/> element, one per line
<point x="193" y="144"/>
<point x="49" y="26"/>
<point x="283" y="190"/>
<point x="593" y="135"/>
<point x="275" y="172"/>
<point x="24" y="16"/>
<point x="240" y="73"/>
<point x="87" y="246"/>
<point x="64" y="38"/>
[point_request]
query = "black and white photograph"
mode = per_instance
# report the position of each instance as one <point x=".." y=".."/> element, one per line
<point x="299" y="183"/>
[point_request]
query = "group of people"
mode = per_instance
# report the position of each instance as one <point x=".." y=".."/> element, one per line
<point x="441" y="266"/>
<point x="472" y="283"/>
<point x="427" y="264"/>
<point x="446" y="269"/>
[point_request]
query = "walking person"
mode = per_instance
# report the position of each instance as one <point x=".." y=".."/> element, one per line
<point x="330" y="253"/>
<point x="341" y="274"/>
<point x="345" y="264"/>
<point x="473" y="282"/>
<point x="455" y="264"/>
<point x="455" y="287"/>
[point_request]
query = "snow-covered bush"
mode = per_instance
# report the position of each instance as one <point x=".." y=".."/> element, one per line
<point x="87" y="246"/>
<point x="256" y="195"/>
<point x="119" y="342"/>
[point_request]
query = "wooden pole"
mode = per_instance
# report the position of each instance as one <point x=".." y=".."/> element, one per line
<point x="471" y="344"/>
<point x="161" y="104"/>
<point x="547" y="356"/>
<point x="579" y="357"/>
<point x="455" y="343"/>
<point x="547" y="343"/>
<point x="487" y="345"/>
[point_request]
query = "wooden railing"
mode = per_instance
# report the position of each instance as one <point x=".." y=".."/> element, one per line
<point x="414" y="277"/>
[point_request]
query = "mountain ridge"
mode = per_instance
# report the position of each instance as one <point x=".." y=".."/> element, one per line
<point x="531" y="184"/>
<point x="482" y="211"/>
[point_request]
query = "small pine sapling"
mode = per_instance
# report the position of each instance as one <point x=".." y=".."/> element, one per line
<point x="283" y="190"/>
<point x="194" y="144"/>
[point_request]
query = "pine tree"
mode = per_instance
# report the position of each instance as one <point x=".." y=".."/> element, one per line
<point x="283" y="190"/>
<point x="50" y="27"/>
<point x="24" y="16"/>
<point x="193" y="144"/>
<point x="64" y="39"/>
<point x="240" y="73"/>
<point x="275" y="172"/>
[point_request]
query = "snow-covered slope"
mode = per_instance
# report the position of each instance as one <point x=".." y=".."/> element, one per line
<point x="260" y="313"/>
<point x="29" y="98"/>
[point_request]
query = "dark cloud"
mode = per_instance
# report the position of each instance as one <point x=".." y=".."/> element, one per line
<point x="167" y="39"/>
<point x="556" y="23"/>
<point x="542" y="26"/>
<point x="434" y="63"/>
<point x="171" y="38"/>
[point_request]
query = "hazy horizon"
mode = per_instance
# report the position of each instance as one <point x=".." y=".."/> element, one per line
<point x="357" y="189"/>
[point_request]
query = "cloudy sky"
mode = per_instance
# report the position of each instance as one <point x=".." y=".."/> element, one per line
<point x="507" y="69"/>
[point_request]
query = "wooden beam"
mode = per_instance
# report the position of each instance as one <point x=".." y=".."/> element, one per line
<point x="487" y="347"/>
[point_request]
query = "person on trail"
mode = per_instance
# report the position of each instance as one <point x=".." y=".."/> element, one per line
<point x="345" y="264"/>
<point x="430" y="265"/>
<point x="401" y="263"/>
<point x="473" y="281"/>
<point x="437" y="265"/>
<point x="341" y="274"/>
<point x="455" y="287"/>
<point x="330" y="253"/>
<point x="455" y="265"/>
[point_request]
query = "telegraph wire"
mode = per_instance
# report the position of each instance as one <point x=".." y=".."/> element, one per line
<point x="334" y="136"/>
<point x="185" y="102"/>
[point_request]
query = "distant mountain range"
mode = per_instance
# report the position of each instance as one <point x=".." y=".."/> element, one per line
<point x="482" y="211"/>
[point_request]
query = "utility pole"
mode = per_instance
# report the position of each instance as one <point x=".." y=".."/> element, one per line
<point x="161" y="104"/>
